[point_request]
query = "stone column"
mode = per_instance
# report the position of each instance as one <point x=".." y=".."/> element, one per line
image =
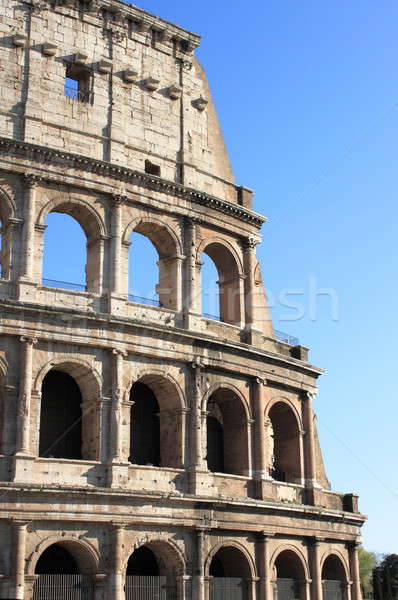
<point x="117" y="392"/>
<point x="28" y="239"/>
<point x="116" y="581"/>
<point x="260" y="470"/>
<point x="25" y="391"/>
<point x="309" y="441"/>
<point x="19" y="551"/>
<point x="315" y="570"/>
<point x="116" y="458"/>
<point x="354" y="571"/>
<point x="199" y="581"/>
<point x="249" y="262"/>
<point x="191" y="280"/>
<point x="116" y="243"/>
<point x="99" y="586"/>
<point x="264" y="569"/>
<point x="196" y="430"/>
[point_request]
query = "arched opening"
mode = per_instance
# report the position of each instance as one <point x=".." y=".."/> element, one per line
<point x="156" y="423"/>
<point x="290" y="577"/>
<point x="62" y="575"/>
<point x="227" y="435"/>
<point x="230" y="574"/>
<point x="152" y="572"/>
<point x="72" y="247"/>
<point x="334" y="579"/>
<point x="144" y="426"/>
<point x="65" y="253"/>
<point x="5" y="238"/>
<point x="210" y="289"/>
<point x="229" y="288"/>
<point x="285" y="437"/>
<point x="143" y="271"/>
<point x="60" y="417"/>
<point x="154" y="266"/>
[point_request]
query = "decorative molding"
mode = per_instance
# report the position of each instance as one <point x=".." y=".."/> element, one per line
<point x="19" y="39"/>
<point x="49" y="49"/>
<point x="45" y="155"/>
<point x="130" y="76"/>
<point x="174" y="92"/>
<point x="104" y="66"/>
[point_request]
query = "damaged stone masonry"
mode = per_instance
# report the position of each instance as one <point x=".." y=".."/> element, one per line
<point x="146" y="452"/>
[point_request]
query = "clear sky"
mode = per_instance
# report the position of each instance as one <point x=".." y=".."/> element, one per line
<point x="307" y="95"/>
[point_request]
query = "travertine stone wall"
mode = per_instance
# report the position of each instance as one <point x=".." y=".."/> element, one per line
<point x="140" y="150"/>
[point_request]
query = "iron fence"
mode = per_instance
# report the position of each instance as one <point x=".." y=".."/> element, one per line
<point x="228" y="588"/>
<point x="63" y="587"/>
<point x="287" y="589"/>
<point x="140" y="587"/>
<point x="333" y="590"/>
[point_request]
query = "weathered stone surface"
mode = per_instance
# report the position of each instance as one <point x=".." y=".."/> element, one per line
<point x="120" y="158"/>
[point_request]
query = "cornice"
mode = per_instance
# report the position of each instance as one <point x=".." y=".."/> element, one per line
<point x="46" y="156"/>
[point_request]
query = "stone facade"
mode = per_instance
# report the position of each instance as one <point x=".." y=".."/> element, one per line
<point x="138" y="148"/>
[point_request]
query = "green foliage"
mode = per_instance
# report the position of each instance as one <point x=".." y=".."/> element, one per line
<point x="385" y="578"/>
<point x="367" y="562"/>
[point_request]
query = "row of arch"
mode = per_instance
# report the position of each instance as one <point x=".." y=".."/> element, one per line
<point x="82" y="223"/>
<point x="66" y="394"/>
<point x="228" y="566"/>
<point x="156" y="427"/>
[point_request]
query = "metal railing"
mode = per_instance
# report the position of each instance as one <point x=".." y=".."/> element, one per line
<point x="149" y="587"/>
<point x="63" y="587"/>
<point x="285" y="337"/>
<point x="228" y="588"/>
<point x="64" y="285"/>
<point x="146" y="301"/>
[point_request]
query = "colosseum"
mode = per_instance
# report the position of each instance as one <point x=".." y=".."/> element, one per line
<point x="147" y="450"/>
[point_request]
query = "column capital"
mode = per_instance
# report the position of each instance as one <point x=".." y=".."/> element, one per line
<point x="264" y="536"/>
<point x="249" y="243"/>
<point x="192" y="221"/>
<point x="119" y="352"/>
<point x="28" y="340"/>
<point x="353" y="544"/>
<point x="197" y="364"/>
<point x="119" y="525"/>
<point x="259" y="380"/>
<point x="310" y="394"/>
<point x="20" y="522"/>
<point x="315" y="541"/>
<point x="32" y="179"/>
<point x="118" y="199"/>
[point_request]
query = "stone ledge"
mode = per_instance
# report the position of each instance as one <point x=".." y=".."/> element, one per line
<point x="47" y="155"/>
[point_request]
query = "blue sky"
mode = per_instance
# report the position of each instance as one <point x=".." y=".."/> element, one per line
<point x="307" y="95"/>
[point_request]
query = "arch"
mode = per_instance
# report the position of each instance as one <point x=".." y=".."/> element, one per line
<point x="160" y="233"/>
<point x="230" y="274"/>
<point x="291" y="405"/>
<point x="7" y="213"/>
<point x="239" y="548"/>
<point x="171" y="559"/>
<point x="294" y="550"/>
<point x="225" y="385"/>
<point x="82" y="551"/>
<point x="285" y="430"/>
<point x="87" y="217"/>
<point x="226" y="405"/>
<point x="167" y="421"/>
<point x="169" y="249"/>
<point x="291" y="573"/>
<point x="339" y="564"/>
<point x="87" y="377"/>
<point x="88" y="383"/>
<point x="93" y="227"/>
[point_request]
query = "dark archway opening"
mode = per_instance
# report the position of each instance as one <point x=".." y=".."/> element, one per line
<point x="334" y="579"/>
<point x="215" y="445"/>
<point x="144" y="426"/>
<point x="286" y="440"/>
<point x="227" y="438"/>
<point x="59" y="576"/>
<point x="56" y="560"/>
<point x="143" y="563"/>
<point x="230" y="574"/>
<point x="60" y="417"/>
<point x="290" y="577"/>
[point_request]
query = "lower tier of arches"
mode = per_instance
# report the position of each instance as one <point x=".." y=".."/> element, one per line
<point x="117" y="561"/>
